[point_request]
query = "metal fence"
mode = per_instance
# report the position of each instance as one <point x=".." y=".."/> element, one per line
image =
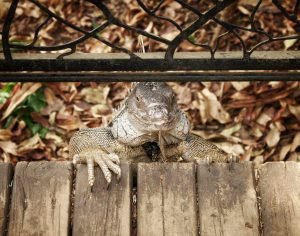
<point x="166" y="65"/>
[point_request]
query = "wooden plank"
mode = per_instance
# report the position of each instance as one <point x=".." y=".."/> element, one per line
<point x="102" y="211"/>
<point x="166" y="199"/>
<point x="227" y="200"/>
<point x="279" y="187"/>
<point x="6" y="173"/>
<point x="41" y="199"/>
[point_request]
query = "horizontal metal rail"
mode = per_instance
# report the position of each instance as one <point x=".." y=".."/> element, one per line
<point x="187" y="61"/>
<point x="147" y="76"/>
<point x="67" y="64"/>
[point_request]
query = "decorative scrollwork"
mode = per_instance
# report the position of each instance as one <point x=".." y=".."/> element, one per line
<point x="197" y="20"/>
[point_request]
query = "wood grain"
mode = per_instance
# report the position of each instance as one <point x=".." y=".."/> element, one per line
<point x="166" y="199"/>
<point x="6" y="173"/>
<point x="227" y="200"/>
<point x="102" y="211"/>
<point x="279" y="187"/>
<point x="41" y="199"/>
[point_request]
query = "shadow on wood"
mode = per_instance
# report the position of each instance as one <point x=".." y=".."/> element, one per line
<point x="6" y="173"/>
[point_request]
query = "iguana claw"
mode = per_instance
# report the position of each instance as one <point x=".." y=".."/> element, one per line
<point x="107" y="162"/>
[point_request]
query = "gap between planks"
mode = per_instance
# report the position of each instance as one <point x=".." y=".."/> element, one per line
<point x="6" y="175"/>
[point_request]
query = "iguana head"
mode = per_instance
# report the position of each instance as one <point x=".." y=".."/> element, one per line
<point x="153" y="105"/>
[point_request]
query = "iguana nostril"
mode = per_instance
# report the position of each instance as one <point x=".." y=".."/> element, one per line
<point x="159" y="113"/>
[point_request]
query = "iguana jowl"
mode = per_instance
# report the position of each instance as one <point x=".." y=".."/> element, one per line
<point x="149" y="114"/>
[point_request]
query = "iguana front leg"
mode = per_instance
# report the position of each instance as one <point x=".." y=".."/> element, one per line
<point x="97" y="145"/>
<point x="195" y="148"/>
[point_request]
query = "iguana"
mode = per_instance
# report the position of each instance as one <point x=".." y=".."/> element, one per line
<point x="149" y="114"/>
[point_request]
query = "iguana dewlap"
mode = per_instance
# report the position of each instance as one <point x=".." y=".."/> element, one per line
<point x="149" y="114"/>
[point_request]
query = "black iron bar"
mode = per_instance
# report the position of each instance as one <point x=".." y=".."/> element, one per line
<point x="147" y="76"/>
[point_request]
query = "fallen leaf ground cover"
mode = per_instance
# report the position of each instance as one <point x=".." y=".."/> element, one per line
<point x="257" y="121"/>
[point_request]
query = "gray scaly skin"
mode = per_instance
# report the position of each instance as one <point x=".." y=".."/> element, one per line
<point x="149" y="114"/>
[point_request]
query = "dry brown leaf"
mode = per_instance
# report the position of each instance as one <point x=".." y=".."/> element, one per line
<point x="9" y="147"/>
<point x="231" y="130"/>
<point x="295" y="110"/>
<point x="54" y="103"/>
<point x="263" y="119"/>
<point x="68" y="122"/>
<point x="211" y="108"/>
<point x="100" y="110"/>
<point x="210" y="136"/>
<point x="37" y="117"/>
<point x="294" y="157"/>
<point x="257" y="131"/>
<point x="240" y="85"/>
<point x="247" y="154"/>
<point x="273" y="136"/>
<point x="53" y="136"/>
<point x="243" y="96"/>
<point x="235" y="149"/>
<point x="64" y="153"/>
<point x="19" y="96"/>
<point x="169" y="35"/>
<point x="5" y="134"/>
<point x="95" y="95"/>
<point x="30" y="144"/>
<point x="244" y="10"/>
<point x="3" y="8"/>
<point x="258" y="161"/>
<point x="58" y="105"/>
<point x="296" y="142"/>
<point x="137" y="17"/>
<point x="270" y="154"/>
<point x="284" y="151"/>
<point x="288" y="43"/>
<point x="82" y="106"/>
<point x="39" y="154"/>
<point x="249" y="2"/>
<point x="184" y="95"/>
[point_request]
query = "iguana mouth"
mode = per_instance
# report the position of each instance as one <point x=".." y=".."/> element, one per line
<point x="156" y="119"/>
<point x="158" y="125"/>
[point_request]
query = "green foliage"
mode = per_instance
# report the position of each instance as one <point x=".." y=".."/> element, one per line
<point x="33" y="103"/>
<point x="5" y="92"/>
<point x="192" y="38"/>
<point x="36" y="101"/>
<point x="35" y="128"/>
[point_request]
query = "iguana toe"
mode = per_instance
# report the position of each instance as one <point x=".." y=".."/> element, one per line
<point x="107" y="162"/>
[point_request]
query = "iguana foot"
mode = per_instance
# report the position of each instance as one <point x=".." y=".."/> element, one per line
<point x="197" y="149"/>
<point x="107" y="162"/>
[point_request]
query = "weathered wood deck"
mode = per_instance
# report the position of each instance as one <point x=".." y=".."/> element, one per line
<point x="51" y="198"/>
